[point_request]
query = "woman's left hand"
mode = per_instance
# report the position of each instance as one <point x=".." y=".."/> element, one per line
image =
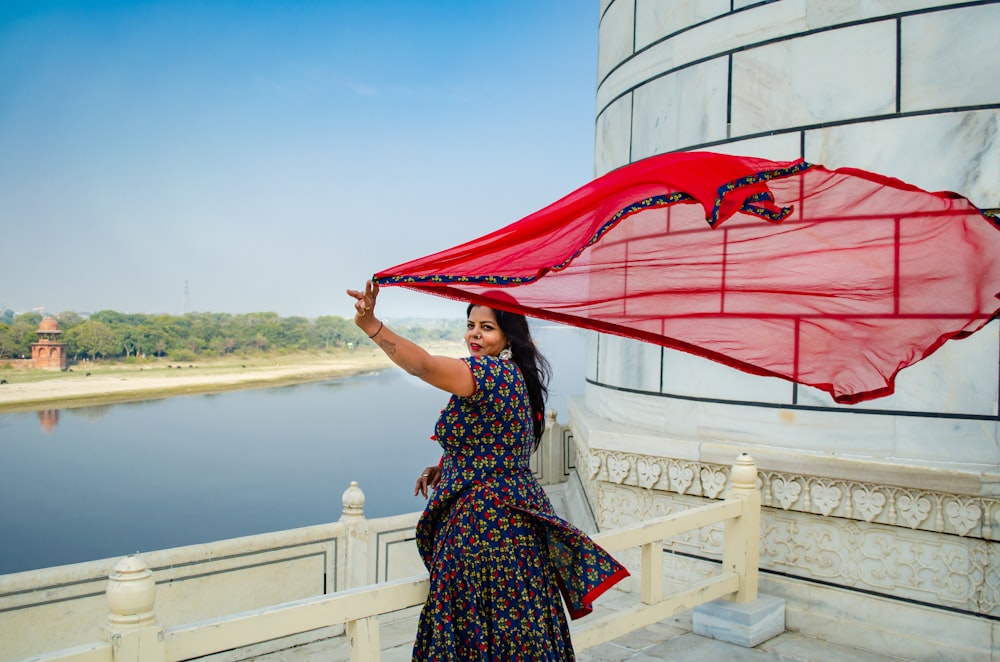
<point x="429" y="479"/>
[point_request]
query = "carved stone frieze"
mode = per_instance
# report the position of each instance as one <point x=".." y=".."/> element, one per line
<point x="948" y="570"/>
<point x="923" y="510"/>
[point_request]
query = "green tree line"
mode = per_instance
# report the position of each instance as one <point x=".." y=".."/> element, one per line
<point x="123" y="336"/>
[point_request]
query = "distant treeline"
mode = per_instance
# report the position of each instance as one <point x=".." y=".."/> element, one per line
<point x="112" y="335"/>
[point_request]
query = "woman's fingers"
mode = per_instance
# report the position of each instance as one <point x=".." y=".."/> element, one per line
<point x="429" y="478"/>
<point x="365" y="301"/>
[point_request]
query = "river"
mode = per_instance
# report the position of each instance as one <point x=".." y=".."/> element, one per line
<point x="96" y="482"/>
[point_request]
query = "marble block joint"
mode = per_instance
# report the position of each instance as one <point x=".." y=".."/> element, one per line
<point x="744" y="624"/>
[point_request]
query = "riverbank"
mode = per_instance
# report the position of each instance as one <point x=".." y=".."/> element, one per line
<point x="98" y="384"/>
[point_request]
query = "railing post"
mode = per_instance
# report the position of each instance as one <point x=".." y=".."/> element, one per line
<point x="132" y="627"/>
<point x="651" y="574"/>
<point x="363" y="636"/>
<point x="356" y="528"/>
<point x="550" y="450"/>
<point x="742" y="535"/>
<point x="745" y="618"/>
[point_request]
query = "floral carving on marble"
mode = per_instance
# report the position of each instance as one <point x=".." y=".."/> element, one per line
<point x="618" y="468"/>
<point x="912" y="508"/>
<point x="594" y="464"/>
<point x="874" y="537"/>
<point x="891" y="560"/>
<point x="713" y="481"/>
<point x="825" y="496"/>
<point x="857" y="500"/>
<point x="618" y="507"/>
<point x="868" y="503"/>
<point x="786" y="491"/>
<point x="964" y="515"/>
<point x="681" y="476"/>
<point x="989" y="591"/>
<point x="648" y="472"/>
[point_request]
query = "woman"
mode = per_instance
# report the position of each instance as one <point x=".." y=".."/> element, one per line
<point x="497" y="554"/>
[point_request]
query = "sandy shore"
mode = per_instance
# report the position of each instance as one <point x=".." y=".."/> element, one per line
<point x="78" y="389"/>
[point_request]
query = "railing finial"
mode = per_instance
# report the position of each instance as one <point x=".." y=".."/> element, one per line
<point x="744" y="474"/>
<point x="353" y="501"/>
<point x="131" y="593"/>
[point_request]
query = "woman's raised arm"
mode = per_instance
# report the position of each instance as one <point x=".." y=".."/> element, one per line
<point x="446" y="373"/>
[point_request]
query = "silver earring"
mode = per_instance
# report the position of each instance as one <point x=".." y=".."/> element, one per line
<point x="506" y="354"/>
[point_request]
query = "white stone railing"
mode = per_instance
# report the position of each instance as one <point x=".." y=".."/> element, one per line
<point x="58" y="607"/>
<point x="133" y="632"/>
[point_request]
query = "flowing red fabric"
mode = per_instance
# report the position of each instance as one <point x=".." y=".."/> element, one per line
<point x="837" y="279"/>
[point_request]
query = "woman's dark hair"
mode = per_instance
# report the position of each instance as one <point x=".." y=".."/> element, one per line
<point x="534" y="367"/>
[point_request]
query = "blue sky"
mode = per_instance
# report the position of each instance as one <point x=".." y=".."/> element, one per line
<point x="271" y="154"/>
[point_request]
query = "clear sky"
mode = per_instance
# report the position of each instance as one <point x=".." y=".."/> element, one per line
<point x="271" y="153"/>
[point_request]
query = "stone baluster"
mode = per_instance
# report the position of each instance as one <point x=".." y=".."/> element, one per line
<point x="356" y="547"/>
<point x="745" y="618"/>
<point x="363" y="634"/>
<point x="742" y="535"/>
<point x="132" y="628"/>
<point x="550" y="451"/>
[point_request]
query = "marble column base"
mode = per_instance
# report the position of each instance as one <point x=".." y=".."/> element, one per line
<point x="746" y="624"/>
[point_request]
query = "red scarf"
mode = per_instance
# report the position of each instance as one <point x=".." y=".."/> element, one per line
<point x="835" y="279"/>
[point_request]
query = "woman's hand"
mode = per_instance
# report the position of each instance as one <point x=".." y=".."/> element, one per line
<point x="429" y="478"/>
<point x="364" y="308"/>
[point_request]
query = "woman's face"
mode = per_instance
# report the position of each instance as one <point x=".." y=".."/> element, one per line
<point x="483" y="336"/>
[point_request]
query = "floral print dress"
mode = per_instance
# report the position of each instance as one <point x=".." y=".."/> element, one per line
<point x="500" y="561"/>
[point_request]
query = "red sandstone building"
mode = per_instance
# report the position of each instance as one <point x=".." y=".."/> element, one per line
<point x="48" y="353"/>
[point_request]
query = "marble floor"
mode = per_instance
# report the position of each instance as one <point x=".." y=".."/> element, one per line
<point x="669" y="640"/>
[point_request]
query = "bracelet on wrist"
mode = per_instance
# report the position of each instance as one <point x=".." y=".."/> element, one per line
<point x="380" y="325"/>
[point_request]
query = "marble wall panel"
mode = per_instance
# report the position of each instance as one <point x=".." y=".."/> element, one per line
<point x="588" y="426"/>
<point x="694" y="376"/>
<point x="615" y="37"/>
<point x="944" y="152"/>
<point x="27" y="633"/>
<point x="761" y="427"/>
<point x="684" y="108"/>
<point x="613" y="136"/>
<point x="824" y="77"/>
<point x="661" y="416"/>
<point x="714" y="38"/>
<point x="923" y="438"/>
<point x="961" y="377"/>
<point x="763" y="23"/>
<point x="949" y="58"/>
<point x="655" y="19"/>
<point x="826" y="14"/>
<point x="901" y="628"/>
<point x="591" y="367"/>
<point x="823" y="432"/>
<point x="209" y="595"/>
<point x="630" y="363"/>
<point x="946" y="440"/>
<point x="779" y="147"/>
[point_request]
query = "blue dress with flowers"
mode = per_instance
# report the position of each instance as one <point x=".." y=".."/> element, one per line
<point x="500" y="561"/>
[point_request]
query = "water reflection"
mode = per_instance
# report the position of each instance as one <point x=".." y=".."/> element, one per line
<point x="48" y="419"/>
